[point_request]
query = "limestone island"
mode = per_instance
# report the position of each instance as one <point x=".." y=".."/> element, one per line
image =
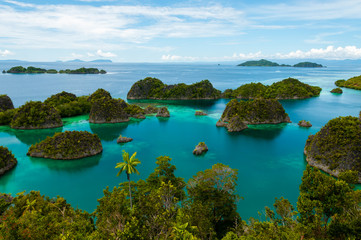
<point x="266" y="63"/>
<point x="258" y="111"/>
<point x="33" y="70"/>
<point x="336" y="90"/>
<point x="354" y="83"/>
<point x="304" y="123"/>
<point x="336" y="148"/>
<point x="289" y="88"/>
<point x="163" y="112"/>
<point x="122" y="139"/>
<point x="105" y="109"/>
<point x="150" y="109"/>
<point x="7" y="160"/>
<point x="200" y="149"/>
<point x="153" y="88"/>
<point x="200" y="113"/>
<point x="36" y="115"/>
<point x="67" y="145"/>
<point x="68" y="104"/>
<point x="5" y="103"/>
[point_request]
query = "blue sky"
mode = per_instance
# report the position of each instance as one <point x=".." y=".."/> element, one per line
<point x="179" y="31"/>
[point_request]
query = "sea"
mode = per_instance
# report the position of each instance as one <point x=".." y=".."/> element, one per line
<point x="269" y="158"/>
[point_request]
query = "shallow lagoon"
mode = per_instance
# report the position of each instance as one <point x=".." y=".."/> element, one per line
<point x="269" y="158"/>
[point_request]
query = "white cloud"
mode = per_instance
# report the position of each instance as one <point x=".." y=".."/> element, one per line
<point x="20" y="4"/>
<point x="76" y="55"/>
<point x="330" y="53"/>
<point x="84" y="27"/>
<point x="5" y="53"/>
<point x="100" y="53"/>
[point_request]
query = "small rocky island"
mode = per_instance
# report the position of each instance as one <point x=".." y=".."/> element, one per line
<point x="33" y="70"/>
<point x="5" y="103"/>
<point x="36" y="115"/>
<point x="67" y="145"/>
<point x="266" y="63"/>
<point x="336" y="90"/>
<point x="122" y="139"/>
<point x="163" y="112"/>
<point x="289" y="88"/>
<point x="7" y="160"/>
<point x="354" y="83"/>
<point x="200" y="113"/>
<point x="68" y="104"/>
<point x="200" y="149"/>
<point x="336" y="147"/>
<point x="153" y="88"/>
<point x="258" y="111"/>
<point x="105" y="109"/>
<point x="304" y="123"/>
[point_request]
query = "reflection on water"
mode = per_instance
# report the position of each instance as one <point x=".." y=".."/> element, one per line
<point x="30" y="137"/>
<point x="111" y="131"/>
<point x="187" y="103"/>
<point x="75" y="165"/>
<point x="264" y="131"/>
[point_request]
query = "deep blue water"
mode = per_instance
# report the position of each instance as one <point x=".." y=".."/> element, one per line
<point x="269" y="159"/>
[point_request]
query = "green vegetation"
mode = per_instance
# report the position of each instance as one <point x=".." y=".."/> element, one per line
<point x="34" y="115"/>
<point x="259" y="63"/>
<point x="258" y="111"/>
<point x="308" y="65"/>
<point x="5" y="103"/>
<point x="289" y="88"/>
<point x="266" y="63"/>
<point x="7" y="116"/>
<point x="83" y="71"/>
<point x="21" y="69"/>
<point x="337" y="146"/>
<point x="7" y="161"/>
<point x="67" y="145"/>
<point x="326" y="209"/>
<point x="128" y="166"/>
<point x="100" y="93"/>
<point x="153" y="88"/>
<point x="354" y="83"/>
<point x="69" y="104"/>
<point x="336" y="90"/>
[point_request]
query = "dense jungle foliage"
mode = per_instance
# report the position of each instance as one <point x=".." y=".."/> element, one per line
<point x="153" y="88"/>
<point x="289" y="88"/>
<point x="354" y="83"/>
<point x="326" y="209"/>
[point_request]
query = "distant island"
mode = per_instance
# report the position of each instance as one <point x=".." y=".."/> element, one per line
<point x="289" y="88"/>
<point x="266" y="63"/>
<point x="354" y="83"/>
<point x="153" y="88"/>
<point x="31" y="70"/>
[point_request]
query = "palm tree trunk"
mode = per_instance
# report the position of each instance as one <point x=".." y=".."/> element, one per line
<point x="130" y="192"/>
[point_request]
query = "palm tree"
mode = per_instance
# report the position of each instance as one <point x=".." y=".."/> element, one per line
<point x="128" y="166"/>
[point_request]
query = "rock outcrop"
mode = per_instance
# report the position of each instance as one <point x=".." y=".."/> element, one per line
<point x="336" y="90"/>
<point x="150" y="109"/>
<point x="7" y="160"/>
<point x="36" y="115"/>
<point x="5" y="103"/>
<point x="67" y="145"/>
<point x="336" y="147"/>
<point x="236" y="124"/>
<point x="163" y="112"/>
<point x="304" y="123"/>
<point x="200" y="149"/>
<point x="122" y="139"/>
<point x="200" y="113"/>
<point x="108" y="111"/>
<point x="153" y="88"/>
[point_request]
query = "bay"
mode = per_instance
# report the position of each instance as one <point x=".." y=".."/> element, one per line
<point x="269" y="158"/>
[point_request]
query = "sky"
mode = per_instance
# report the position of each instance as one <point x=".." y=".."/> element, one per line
<point x="179" y="31"/>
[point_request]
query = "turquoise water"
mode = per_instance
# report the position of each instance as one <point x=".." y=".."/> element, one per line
<point x="269" y="158"/>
